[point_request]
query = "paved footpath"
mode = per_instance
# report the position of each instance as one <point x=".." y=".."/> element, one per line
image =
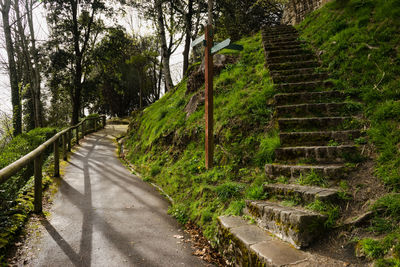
<point x="103" y="215"/>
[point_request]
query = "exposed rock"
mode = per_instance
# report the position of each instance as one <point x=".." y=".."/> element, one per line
<point x="196" y="79"/>
<point x="194" y="102"/>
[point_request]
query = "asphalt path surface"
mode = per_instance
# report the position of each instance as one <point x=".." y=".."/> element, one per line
<point x="103" y="215"/>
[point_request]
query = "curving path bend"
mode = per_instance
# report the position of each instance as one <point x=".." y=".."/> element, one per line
<point x="103" y="215"/>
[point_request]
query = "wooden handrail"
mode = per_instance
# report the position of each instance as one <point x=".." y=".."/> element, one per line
<point x="36" y="155"/>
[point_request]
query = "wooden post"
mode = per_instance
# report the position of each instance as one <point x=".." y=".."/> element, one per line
<point x="104" y="121"/>
<point x="77" y="135"/>
<point x="38" y="184"/>
<point x="83" y="129"/>
<point x="69" y="138"/>
<point x="56" y="159"/>
<point x="95" y="125"/>
<point x="209" y="142"/>
<point x="64" y="140"/>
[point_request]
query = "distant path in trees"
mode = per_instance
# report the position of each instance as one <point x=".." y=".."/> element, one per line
<point x="103" y="215"/>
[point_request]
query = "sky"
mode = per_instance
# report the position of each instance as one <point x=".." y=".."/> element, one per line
<point x="131" y="21"/>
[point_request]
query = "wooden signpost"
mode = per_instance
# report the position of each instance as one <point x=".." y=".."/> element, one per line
<point x="207" y="41"/>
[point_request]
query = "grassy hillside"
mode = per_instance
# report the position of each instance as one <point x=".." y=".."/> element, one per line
<point x="359" y="43"/>
<point x="168" y="148"/>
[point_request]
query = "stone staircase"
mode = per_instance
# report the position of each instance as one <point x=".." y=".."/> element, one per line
<point x="318" y="127"/>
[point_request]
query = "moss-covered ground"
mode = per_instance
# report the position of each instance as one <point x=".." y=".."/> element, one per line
<point x="359" y="44"/>
<point x="168" y="148"/>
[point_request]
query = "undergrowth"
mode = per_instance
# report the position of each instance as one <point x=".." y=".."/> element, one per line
<point x="359" y="44"/>
<point x="167" y="147"/>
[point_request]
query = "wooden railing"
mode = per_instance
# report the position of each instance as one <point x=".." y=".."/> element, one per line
<point x="36" y="155"/>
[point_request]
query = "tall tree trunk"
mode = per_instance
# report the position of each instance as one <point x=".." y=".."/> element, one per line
<point x="77" y="86"/>
<point x="188" y="36"/>
<point x="15" y="98"/>
<point x="35" y="69"/>
<point x="27" y="77"/>
<point x="165" y="52"/>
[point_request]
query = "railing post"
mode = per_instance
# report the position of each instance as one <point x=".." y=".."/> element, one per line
<point x="83" y="128"/>
<point x="77" y="135"/>
<point x="95" y="125"/>
<point x="69" y="138"/>
<point x="56" y="159"/>
<point x="38" y="184"/>
<point x="64" y="140"/>
<point x="104" y="121"/>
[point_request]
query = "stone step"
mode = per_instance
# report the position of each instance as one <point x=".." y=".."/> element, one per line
<point x="268" y="36"/>
<point x="316" y="154"/>
<point x="277" y="30"/>
<point x="295" y="225"/>
<point x="288" y="52"/>
<point x="299" y="78"/>
<point x="317" y="110"/>
<point x="244" y="244"/>
<point x="280" y="39"/>
<point x="331" y="172"/>
<point x="270" y="47"/>
<point x="293" y="65"/>
<point x="301" y="193"/>
<point x="308" y="97"/>
<point x="318" y="138"/>
<point x="300" y="71"/>
<point x="290" y="58"/>
<point x="303" y="86"/>
<point x="281" y="43"/>
<point x="317" y="123"/>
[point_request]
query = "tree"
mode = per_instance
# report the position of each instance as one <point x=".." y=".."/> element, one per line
<point x="5" y="6"/>
<point x="74" y="30"/>
<point x="190" y="11"/>
<point x="124" y="71"/>
<point x="168" y="28"/>
<point x="28" y="58"/>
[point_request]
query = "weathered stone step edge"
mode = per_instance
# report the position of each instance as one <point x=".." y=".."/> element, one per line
<point x="318" y="138"/>
<point x="303" y="86"/>
<point x="308" y="97"/>
<point x="331" y="172"/>
<point x="318" y="154"/>
<point x="272" y="44"/>
<point x="281" y="47"/>
<point x="299" y="71"/>
<point x="305" y="194"/>
<point x="314" y="124"/>
<point x="290" y="58"/>
<point x="277" y="33"/>
<point x="293" y="65"/>
<point x="294" y="225"/>
<point x="316" y="110"/>
<point x="245" y="244"/>
<point x="280" y="39"/>
<point x="269" y="36"/>
<point x="305" y="77"/>
<point x="288" y="52"/>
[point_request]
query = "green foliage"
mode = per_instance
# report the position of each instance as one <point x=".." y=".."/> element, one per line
<point x="17" y="148"/>
<point x="312" y="178"/>
<point x="169" y="147"/>
<point x="179" y="212"/>
<point x="228" y="190"/>
<point x="256" y="192"/>
<point x="331" y="210"/>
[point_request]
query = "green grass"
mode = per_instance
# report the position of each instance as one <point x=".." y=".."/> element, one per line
<point x="168" y="148"/>
<point x="360" y="44"/>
